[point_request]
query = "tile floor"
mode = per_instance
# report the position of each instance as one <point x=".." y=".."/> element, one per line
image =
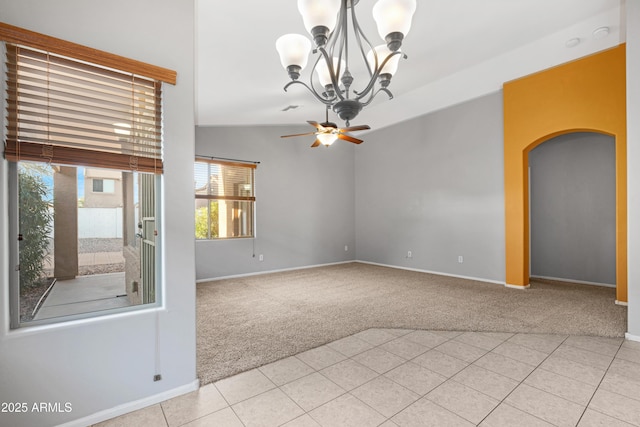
<point x="393" y="377"/>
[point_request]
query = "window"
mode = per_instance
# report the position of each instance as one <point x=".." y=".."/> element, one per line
<point x="80" y="121"/>
<point x="225" y="199"/>
<point x="103" y="185"/>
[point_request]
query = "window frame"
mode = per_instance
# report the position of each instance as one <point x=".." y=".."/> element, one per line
<point x="225" y="197"/>
<point x="14" y="278"/>
<point x="32" y="40"/>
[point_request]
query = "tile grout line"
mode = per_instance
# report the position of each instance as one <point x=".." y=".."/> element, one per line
<point x="163" y="414"/>
<point x="599" y="384"/>
<point x="230" y="406"/>
<point x="315" y="371"/>
<point x="424" y="396"/>
<point x="378" y="375"/>
<point x="522" y="382"/>
<point x="294" y="402"/>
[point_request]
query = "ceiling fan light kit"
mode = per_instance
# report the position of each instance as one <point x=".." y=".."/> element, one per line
<point x="327" y="132"/>
<point x="331" y="24"/>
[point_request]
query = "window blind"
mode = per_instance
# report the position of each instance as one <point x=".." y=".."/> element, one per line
<point x="67" y="111"/>
<point x="221" y="180"/>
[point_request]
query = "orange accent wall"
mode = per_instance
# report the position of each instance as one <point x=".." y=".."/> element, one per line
<point x="586" y="95"/>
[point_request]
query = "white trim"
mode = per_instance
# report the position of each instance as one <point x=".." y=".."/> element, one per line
<point x="257" y="273"/>
<point x="519" y="287"/>
<point x="579" y="282"/>
<point x="125" y="408"/>
<point x="630" y="337"/>
<point x="497" y="282"/>
<point x="76" y="320"/>
<point x="623" y="303"/>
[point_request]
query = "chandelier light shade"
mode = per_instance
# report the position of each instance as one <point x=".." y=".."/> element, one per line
<point x="334" y="29"/>
<point x="393" y="18"/>
<point x="294" y="53"/>
<point x="319" y="14"/>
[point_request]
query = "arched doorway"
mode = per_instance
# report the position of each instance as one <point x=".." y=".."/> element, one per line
<point x="586" y="95"/>
<point x="572" y="209"/>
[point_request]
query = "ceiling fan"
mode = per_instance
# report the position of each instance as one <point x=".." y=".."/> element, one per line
<point x="327" y="132"/>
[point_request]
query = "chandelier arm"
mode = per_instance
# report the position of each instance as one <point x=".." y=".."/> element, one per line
<point x="344" y="45"/>
<point x="334" y="38"/>
<point x="335" y="34"/>
<point x="313" y="92"/>
<point x="374" y="94"/>
<point x="342" y="40"/>
<point x="360" y="35"/>
<point x="375" y="75"/>
<point x="332" y="74"/>
<point x="313" y="86"/>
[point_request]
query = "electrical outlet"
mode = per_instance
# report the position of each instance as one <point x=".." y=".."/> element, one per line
<point x="460" y="259"/>
<point x="157" y="377"/>
<point x="260" y="257"/>
<point x="346" y="248"/>
<point x="409" y="254"/>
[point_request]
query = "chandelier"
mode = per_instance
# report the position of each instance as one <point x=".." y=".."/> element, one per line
<point x="328" y="22"/>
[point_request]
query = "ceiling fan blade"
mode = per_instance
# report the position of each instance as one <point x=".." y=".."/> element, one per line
<point x="316" y="143"/>
<point x="314" y="124"/>
<point x="355" y="128"/>
<point x="298" y="134"/>
<point x="349" y="138"/>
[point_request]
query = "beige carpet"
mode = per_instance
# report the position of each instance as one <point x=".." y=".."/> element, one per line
<point x="246" y="322"/>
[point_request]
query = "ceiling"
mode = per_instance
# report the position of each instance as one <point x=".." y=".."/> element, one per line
<point x="457" y="50"/>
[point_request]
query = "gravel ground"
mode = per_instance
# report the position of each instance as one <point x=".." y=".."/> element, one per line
<point x="86" y="246"/>
<point x="87" y="270"/>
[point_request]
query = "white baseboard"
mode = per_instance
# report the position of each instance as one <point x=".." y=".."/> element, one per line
<point x="519" y="287"/>
<point x="257" y="273"/>
<point x="579" y="282"/>
<point x="477" y="279"/>
<point x="439" y="273"/>
<point x="125" y="408"/>
<point x="632" y="337"/>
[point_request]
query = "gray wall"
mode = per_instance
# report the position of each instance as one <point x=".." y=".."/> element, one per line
<point x="304" y="201"/>
<point x="434" y="185"/>
<point x="573" y="215"/>
<point x="104" y="366"/>
<point x="633" y="160"/>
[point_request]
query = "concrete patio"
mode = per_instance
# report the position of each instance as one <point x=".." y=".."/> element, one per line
<point x="84" y="294"/>
<point x="87" y="293"/>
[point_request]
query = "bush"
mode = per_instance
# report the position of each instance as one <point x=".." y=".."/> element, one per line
<point x="203" y="223"/>
<point x="35" y="227"/>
